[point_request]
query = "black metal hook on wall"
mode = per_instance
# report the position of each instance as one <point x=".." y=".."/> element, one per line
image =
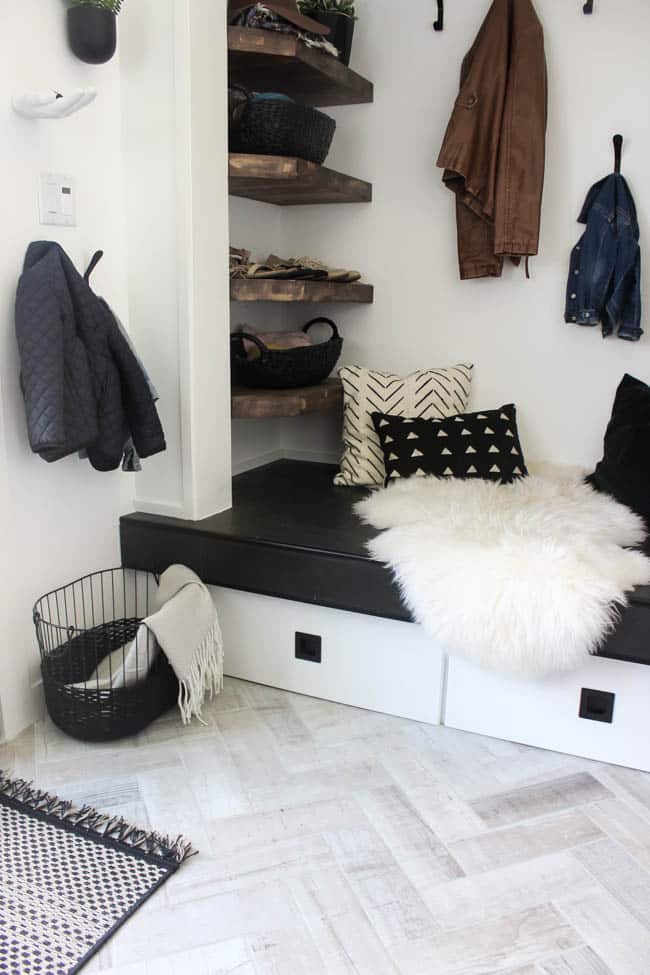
<point x="440" y="22"/>
<point x="588" y="7"/>
<point x="618" y="149"/>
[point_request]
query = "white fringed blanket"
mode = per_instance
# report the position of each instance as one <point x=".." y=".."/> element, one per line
<point x="524" y="578"/>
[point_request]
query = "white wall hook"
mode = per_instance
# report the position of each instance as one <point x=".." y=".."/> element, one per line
<point x="50" y="104"/>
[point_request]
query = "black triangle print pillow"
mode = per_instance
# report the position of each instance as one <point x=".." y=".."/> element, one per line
<point x="484" y="445"/>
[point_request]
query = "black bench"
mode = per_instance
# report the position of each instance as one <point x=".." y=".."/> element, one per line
<point x="293" y="535"/>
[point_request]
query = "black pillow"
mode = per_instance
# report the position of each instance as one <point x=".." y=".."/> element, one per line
<point x="484" y="445"/>
<point x="624" y="471"/>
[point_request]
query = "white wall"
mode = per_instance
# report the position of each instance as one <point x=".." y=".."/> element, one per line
<point x="59" y="520"/>
<point x="175" y="153"/>
<point x="562" y="378"/>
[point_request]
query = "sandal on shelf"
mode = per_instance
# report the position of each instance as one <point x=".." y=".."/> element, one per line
<point x="275" y="267"/>
<point x="317" y="268"/>
<point x="239" y="262"/>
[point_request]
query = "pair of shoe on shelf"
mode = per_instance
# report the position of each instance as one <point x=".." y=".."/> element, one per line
<point x="291" y="268"/>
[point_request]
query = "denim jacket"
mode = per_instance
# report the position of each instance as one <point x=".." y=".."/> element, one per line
<point x="604" y="284"/>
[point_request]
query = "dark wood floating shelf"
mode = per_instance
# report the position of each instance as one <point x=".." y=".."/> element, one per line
<point x="308" y="292"/>
<point x="261" y="404"/>
<point x="263" y="60"/>
<point x="286" y="181"/>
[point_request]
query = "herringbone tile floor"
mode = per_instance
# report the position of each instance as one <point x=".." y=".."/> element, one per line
<point x="340" y="841"/>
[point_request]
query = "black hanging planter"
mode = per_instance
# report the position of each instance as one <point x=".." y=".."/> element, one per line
<point x="92" y="33"/>
<point x="341" y="31"/>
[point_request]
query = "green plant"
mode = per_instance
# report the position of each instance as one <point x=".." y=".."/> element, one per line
<point x="113" y="5"/>
<point x="344" y="7"/>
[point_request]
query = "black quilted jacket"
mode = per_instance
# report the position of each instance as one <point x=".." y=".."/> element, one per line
<point x="82" y="384"/>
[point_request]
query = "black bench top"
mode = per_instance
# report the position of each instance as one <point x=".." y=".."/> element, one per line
<point x="292" y="534"/>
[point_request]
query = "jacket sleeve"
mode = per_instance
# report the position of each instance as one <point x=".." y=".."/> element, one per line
<point x="624" y="304"/>
<point x="470" y="148"/>
<point x="39" y="333"/>
<point x="522" y="146"/>
<point x="141" y="416"/>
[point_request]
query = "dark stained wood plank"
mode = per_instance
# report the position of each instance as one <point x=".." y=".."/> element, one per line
<point x="260" y="404"/>
<point x="286" y="181"/>
<point x="262" y="60"/>
<point x="308" y="292"/>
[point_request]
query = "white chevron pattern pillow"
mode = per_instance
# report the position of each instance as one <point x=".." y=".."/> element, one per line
<point x="429" y="393"/>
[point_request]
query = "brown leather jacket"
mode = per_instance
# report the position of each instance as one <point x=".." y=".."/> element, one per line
<point x="493" y="150"/>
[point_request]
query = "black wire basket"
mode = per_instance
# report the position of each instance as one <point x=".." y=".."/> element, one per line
<point x="103" y="678"/>
<point x="278" y="126"/>
<point x="306" y="365"/>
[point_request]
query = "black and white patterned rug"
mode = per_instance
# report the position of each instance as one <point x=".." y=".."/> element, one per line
<point x="69" y="878"/>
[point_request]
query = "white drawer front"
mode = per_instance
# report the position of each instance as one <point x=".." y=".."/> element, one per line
<point x="545" y="712"/>
<point x="367" y="662"/>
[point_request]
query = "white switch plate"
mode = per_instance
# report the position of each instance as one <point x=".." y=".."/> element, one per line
<point x="57" y="201"/>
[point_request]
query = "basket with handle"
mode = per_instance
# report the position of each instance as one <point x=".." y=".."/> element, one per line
<point x="91" y="622"/>
<point x="274" y="125"/>
<point x="285" y="368"/>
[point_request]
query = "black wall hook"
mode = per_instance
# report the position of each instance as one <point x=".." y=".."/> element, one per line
<point x="94" y="261"/>
<point x="588" y="7"/>
<point x="618" y="148"/>
<point x="440" y="22"/>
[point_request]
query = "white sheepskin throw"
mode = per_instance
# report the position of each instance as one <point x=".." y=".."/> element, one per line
<point x="525" y="578"/>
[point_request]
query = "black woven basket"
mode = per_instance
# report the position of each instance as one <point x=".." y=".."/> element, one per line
<point x="77" y="627"/>
<point x="285" y="368"/>
<point x="278" y="127"/>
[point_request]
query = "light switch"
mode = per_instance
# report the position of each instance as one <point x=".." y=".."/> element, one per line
<point x="57" y="200"/>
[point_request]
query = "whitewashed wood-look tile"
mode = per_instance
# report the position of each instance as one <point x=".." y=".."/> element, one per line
<point x="85" y="763"/>
<point x="295" y="876"/>
<point x="267" y="828"/>
<point x="388" y="897"/>
<point x="620" y="874"/>
<point x="213" y="778"/>
<point x="116" y="796"/>
<point x="617" y="938"/>
<point x="449" y="816"/>
<point x="524" y="841"/>
<point x="252" y="749"/>
<point x="18" y="756"/>
<point x="629" y="784"/>
<point x="327" y="782"/>
<point x="624" y="825"/>
<point x="475" y="766"/>
<point x="249" y="868"/>
<point x="170" y="802"/>
<point x="580" y="961"/>
<point x="231" y="957"/>
<point x="285" y="953"/>
<point x="52" y="745"/>
<point x="509" y="942"/>
<point x="330" y="723"/>
<point x="533" y="801"/>
<point x="345" y="939"/>
<point x="486" y="897"/>
<point x="416" y="848"/>
<point x="159" y="931"/>
<point x="235" y="696"/>
<point x="286" y="727"/>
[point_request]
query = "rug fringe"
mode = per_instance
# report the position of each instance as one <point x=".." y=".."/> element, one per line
<point x="171" y="850"/>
